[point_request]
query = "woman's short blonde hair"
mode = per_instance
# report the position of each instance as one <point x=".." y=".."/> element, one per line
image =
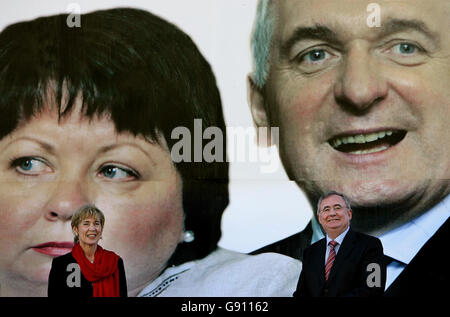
<point x="88" y="211"/>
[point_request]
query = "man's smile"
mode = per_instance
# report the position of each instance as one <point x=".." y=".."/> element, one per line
<point x="367" y="143"/>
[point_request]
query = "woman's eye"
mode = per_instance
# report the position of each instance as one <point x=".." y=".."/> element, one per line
<point x="30" y="166"/>
<point x="117" y="173"/>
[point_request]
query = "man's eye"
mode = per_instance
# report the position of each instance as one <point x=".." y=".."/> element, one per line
<point x="30" y="166"/>
<point x="315" y="59"/>
<point x="117" y="173"/>
<point x="315" y="56"/>
<point x="405" y="48"/>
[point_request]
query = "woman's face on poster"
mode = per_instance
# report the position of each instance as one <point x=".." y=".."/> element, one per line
<point x="49" y="168"/>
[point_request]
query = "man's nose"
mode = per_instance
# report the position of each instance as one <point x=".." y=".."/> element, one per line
<point x="67" y="198"/>
<point x="360" y="84"/>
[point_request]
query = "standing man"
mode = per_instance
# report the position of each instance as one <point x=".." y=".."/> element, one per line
<point x="363" y="108"/>
<point x="345" y="263"/>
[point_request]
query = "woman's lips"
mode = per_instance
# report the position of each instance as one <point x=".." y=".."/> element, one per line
<point x="54" y="248"/>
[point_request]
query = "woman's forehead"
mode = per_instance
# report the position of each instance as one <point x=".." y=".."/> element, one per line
<point x="76" y="124"/>
<point x="91" y="217"/>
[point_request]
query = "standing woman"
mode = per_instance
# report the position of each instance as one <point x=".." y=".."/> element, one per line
<point x="89" y="270"/>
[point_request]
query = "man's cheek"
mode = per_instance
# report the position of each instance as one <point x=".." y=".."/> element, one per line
<point x="414" y="88"/>
<point x="307" y="100"/>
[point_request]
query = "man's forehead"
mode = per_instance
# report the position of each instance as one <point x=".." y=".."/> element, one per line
<point x="332" y="201"/>
<point x="350" y="16"/>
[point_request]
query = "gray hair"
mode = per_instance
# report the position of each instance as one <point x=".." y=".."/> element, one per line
<point x="261" y="42"/>
<point x="333" y="193"/>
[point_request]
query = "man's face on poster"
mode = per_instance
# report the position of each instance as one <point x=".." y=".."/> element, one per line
<point x="362" y="110"/>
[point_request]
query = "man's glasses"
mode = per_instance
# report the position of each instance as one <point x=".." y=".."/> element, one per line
<point x="336" y="208"/>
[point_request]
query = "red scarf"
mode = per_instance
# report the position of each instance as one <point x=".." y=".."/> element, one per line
<point x="103" y="273"/>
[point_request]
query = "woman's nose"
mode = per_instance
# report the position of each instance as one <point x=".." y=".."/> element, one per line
<point x="65" y="200"/>
<point x="92" y="227"/>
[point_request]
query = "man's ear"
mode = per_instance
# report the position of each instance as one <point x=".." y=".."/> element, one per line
<point x="256" y="101"/>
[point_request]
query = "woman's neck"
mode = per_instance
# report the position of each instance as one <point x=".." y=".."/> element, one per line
<point x="89" y="250"/>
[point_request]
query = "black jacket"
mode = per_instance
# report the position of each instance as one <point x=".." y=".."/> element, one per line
<point x="353" y="272"/>
<point x="63" y="270"/>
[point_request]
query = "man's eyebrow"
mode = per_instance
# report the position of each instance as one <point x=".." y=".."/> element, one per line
<point x="392" y="26"/>
<point x="316" y="32"/>
<point x="324" y="33"/>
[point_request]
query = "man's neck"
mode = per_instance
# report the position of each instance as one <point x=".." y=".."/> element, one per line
<point x="336" y="234"/>
<point x="332" y="234"/>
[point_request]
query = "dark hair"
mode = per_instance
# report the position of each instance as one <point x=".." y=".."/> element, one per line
<point x="143" y="72"/>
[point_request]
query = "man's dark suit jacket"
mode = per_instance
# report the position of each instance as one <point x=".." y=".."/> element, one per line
<point x="58" y="286"/>
<point x="350" y="272"/>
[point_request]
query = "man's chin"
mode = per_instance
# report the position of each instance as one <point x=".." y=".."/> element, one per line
<point x="373" y="193"/>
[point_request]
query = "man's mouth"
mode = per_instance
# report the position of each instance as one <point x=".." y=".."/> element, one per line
<point x="367" y="143"/>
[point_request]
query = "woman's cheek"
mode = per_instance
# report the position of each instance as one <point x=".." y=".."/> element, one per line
<point x="144" y="225"/>
<point x="17" y="217"/>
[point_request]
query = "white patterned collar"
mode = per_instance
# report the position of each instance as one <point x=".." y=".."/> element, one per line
<point x="162" y="282"/>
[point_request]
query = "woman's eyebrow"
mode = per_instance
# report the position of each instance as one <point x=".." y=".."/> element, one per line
<point x="46" y="146"/>
<point x="114" y="146"/>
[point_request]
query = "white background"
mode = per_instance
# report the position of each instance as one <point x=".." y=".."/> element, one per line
<point x="264" y="207"/>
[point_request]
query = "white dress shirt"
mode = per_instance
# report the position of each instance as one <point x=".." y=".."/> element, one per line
<point x="339" y="240"/>
<point x="404" y="242"/>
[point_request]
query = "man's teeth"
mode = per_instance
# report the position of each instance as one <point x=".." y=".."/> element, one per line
<point x="360" y="139"/>
<point x="377" y="149"/>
